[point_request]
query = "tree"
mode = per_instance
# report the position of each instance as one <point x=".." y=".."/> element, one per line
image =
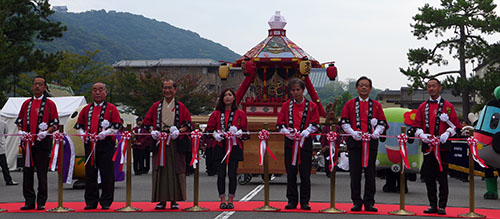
<point x="463" y="21"/>
<point x="21" y="23"/>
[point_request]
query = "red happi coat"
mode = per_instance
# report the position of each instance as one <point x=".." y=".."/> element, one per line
<point x="240" y="121"/>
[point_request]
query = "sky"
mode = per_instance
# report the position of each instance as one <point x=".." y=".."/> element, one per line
<point x="363" y="37"/>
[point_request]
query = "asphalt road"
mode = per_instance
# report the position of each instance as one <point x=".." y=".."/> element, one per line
<point x="141" y="186"/>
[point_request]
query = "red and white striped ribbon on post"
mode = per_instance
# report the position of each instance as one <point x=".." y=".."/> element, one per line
<point x="365" y="153"/>
<point x="402" y="139"/>
<point x="434" y="143"/>
<point x="332" y="146"/>
<point x="58" y="142"/>
<point x="263" y="137"/>
<point x="195" y="144"/>
<point x="473" y="149"/>
<point x="230" y="141"/>
<point x="162" y="150"/>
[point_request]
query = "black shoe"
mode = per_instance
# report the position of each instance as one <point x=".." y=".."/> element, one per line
<point x="370" y="208"/>
<point x="356" y="207"/>
<point x="105" y="207"/>
<point x="305" y="206"/>
<point x="229" y="205"/>
<point x="12" y="183"/>
<point x="290" y="206"/>
<point x="88" y="207"/>
<point x="160" y="206"/>
<point x="28" y="207"/>
<point x="174" y="206"/>
<point x="441" y="211"/>
<point x="223" y="205"/>
<point x="40" y="207"/>
<point x="431" y="210"/>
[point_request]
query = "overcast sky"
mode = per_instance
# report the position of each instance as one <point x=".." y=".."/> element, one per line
<point x="364" y="37"/>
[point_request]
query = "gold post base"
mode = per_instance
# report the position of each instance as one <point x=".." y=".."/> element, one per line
<point x="402" y="212"/>
<point x="60" y="209"/>
<point x="267" y="208"/>
<point x="332" y="211"/>
<point x="472" y="215"/>
<point x="196" y="208"/>
<point x="3" y="210"/>
<point x="128" y="209"/>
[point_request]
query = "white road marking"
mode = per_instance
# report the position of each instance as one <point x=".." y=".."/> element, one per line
<point x="247" y="197"/>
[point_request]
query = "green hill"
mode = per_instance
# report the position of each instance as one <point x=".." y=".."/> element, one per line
<point x="121" y="35"/>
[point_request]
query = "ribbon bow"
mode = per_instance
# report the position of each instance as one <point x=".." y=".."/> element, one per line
<point x="402" y="139"/>
<point x="230" y="141"/>
<point x="162" y="150"/>
<point x="58" y="139"/>
<point x="93" y="142"/>
<point x="472" y="142"/>
<point x="434" y="143"/>
<point x="365" y="153"/>
<point x="263" y="137"/>
<point x="195" y="144"/>
<point x="332" y="146"/>
<point x="298" y="142"/>
<point x="28" y="143"/>
<point x="125" y="137"/>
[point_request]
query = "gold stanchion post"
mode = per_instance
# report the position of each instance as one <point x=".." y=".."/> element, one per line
<point x="128" y="207"/>
<point x="266" y="206"/>
<point x="402" y="188"/>
<point x="196" y="185"/>
<point x="60" y="208"/>
<point x="471" y="213"/>
<point x="332" y="209"/>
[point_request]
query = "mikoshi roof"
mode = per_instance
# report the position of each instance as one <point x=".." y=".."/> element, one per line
<point x="277" y="47"/>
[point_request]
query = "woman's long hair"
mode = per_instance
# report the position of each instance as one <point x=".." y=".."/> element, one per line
<point x="220" y="104"/>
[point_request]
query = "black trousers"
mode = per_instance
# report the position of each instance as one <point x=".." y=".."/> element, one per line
<point x="304" y="168"/>
<point x="232" y="168"/>
<point x="210" y="162"/>
<point x="356" y="169"/>
<point x="140" y="161"/>
<point x="5" y="168"/>
<point x="432" y="174"/>
<point x="103" y="163"/>
<point x="41" y="166"/>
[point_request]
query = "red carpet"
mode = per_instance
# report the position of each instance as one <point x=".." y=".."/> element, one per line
<point x="383" y="209"/>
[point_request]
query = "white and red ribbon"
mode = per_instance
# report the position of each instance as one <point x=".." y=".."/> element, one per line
<point x="472" y="142"/>
<point x="28" y="143"/>
<point x="298" y="142"/>
<point x="402" y="139"/>
<point x="263" y="137"/>
<point x="162" y="150"/>
<point x="434" y="143"/>
<point x="230" y="141"/>
<point x="195" y="144"/>
<point x="93" y="143"/>
<point x="125" y="137"/>
<point x="332" y="146"/>
<point x="58" y="141"/>
<point x="365" y="153"/>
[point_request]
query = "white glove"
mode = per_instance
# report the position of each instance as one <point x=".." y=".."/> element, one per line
<point x="155" y="134"/>
<point x="233" y="129"/>
<point x="218" y="136"/>
<point x="81" y="132"/>
<point x="286" y="131"/>
<point x="102" y="135"/>
<point x="425" y="137"/>
<point x="444" y="117"/>
<point x="374" y="122"/>
<point x="378" y="130"/>
<point x="305" y="133"/>
<point x="444" y="137"/>
<point x="356" y="135"/>
<point x="42" y="135"/>
<point x="238" y="133"/>
<point x="22" y="133"/>
<point x="451" y="131"/>
<point x="174" y="132"/>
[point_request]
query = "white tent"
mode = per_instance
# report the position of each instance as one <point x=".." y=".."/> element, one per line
<point x="65" y="107"/>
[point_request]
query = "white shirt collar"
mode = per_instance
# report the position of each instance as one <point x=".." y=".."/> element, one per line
<point x="98" y="104"/>
<point x="38" y="98"/>
<point x="361" y="99"/>
<point x="438" y="99"/>
<point x="303" y="99"/>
